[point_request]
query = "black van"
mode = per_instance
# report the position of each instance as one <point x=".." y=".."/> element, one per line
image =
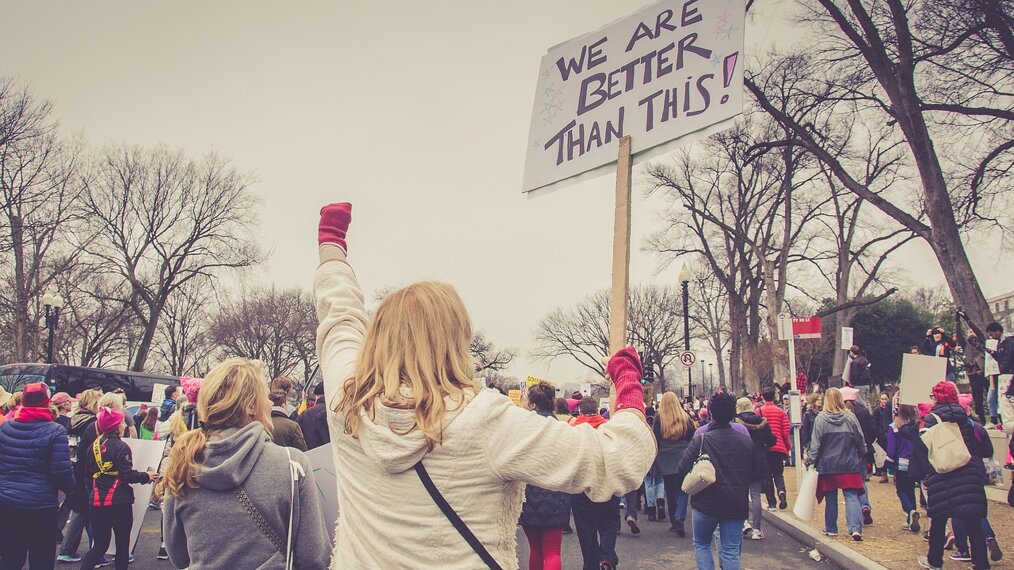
<point x="137" y="386"/>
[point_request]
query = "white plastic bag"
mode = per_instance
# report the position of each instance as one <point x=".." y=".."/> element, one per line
<point x="806" y="501"/>
<point x="879" y="455"/>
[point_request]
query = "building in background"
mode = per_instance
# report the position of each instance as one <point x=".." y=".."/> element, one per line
<point x="1003" y="310"/>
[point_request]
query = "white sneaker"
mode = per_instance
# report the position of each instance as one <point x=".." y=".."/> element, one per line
<point x="757" y="534"/>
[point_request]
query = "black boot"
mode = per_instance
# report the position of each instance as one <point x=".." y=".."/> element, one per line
<point x="651" y="513"/>
<point x="660" y="509"/>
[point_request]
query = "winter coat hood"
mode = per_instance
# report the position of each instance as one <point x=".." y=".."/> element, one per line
<point x="230" y="455"/>
<point x="391" y="438"/>
<point x="79" y="421"/>
<point x="751" y="421"/>
<point x="594" y="421"/>
<point x="835" y="419"/>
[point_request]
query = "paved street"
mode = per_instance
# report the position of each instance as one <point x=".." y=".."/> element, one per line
<point x="655" y="548"/>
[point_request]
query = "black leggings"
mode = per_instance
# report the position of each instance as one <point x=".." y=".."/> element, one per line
<point x="979" y="388"/>
<point x="104" y="521"/>
<point x="776" y="465"/>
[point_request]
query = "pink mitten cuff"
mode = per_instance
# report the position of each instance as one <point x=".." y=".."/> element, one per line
<point x="334" y="224"/>
<point x="625" y="370"/>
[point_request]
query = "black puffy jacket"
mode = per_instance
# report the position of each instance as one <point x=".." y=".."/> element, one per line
<point x="762" y="438"/>
<point x="960" y="493"/>
<point x="544" y="508"/>
<point x="732" y="454"/>
<point x="105" y="490"/>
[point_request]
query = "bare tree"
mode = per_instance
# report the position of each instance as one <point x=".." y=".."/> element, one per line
<point x="95" y="322"/>
<point x="183" y="344"/>
<point x="164" y="219"/>
<point x="488" y="358"/>
<point x="39" y="187"/>
<point x="273" y="325"/>
<point x="934" y="70"/>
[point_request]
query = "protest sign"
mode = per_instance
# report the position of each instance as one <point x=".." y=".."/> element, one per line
<point x="585" y="388"/>
<point x="157" y="393"/>
<point x="847" y="336"/>
<point x="919" y="373"/>
<point x="515" y="396"/>
<point x="992" y="367"/>
<point x="145" y="454"/>
<point x="669" y="74"/>
<point x="322" y="463"/>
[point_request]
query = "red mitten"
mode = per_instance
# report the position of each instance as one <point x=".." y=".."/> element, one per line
<point x="334" y="224"/>
<point x="625" y="370"/>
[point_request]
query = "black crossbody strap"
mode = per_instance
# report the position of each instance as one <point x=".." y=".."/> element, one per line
<point x="452" y="516"/>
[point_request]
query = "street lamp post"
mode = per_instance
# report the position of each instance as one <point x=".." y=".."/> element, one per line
<point x="52" y="303"/>
<point x="711" y="374"/>
<point x="685" y="281"/>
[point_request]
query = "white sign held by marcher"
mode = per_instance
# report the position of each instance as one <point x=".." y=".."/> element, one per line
<point x="585" y="389"/>
<point x="991" y="367"/>
<point x="669" y="74"/>
<point x="145" y="454"/>
<point x="919" y="373"/>
<point x="322" y="463"/>
<point x="846" y="338"/>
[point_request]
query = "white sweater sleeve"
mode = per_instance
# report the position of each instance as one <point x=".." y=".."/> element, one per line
<point x="342" y="317"/>
<point x="611" y="460"/>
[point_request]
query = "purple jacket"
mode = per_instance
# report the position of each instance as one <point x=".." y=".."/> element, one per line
<point x="898" y="447"/>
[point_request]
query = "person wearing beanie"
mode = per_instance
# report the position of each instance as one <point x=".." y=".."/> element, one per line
<point x="725" y="503"/>
<point x="110" y="497"/>
<point x="63" y="404"/>
<point x="959" y="494"/>
<point x="82" y="433"/>
<point x="406" y="394"/>
<point x="34" y="465"/>
<point x="763" y="439"/>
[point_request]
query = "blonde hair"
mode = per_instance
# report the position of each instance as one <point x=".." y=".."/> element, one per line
<point x="834" y="402"/>
<point x="744" y="405"/>
<point x="419" y="338"/>
<point x="227" y="393"/>
<point x="673" y="420"/>
<point x="111" y="400"/>
<point x="89" y="401"/>
<point x="811" y="400"/>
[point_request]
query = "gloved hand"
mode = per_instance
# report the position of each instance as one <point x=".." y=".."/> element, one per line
<point x="625" y="370"/>
<point x="334" y="224"/>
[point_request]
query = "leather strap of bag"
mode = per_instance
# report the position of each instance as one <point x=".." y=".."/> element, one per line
<point x="453" y="517"/>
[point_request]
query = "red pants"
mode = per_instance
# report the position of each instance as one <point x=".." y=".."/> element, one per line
<point x="544" y="548"/>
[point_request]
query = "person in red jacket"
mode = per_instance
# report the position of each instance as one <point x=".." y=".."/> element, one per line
<point x="779" y="452"/>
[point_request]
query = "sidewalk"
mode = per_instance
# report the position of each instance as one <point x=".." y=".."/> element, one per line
<point x="884" y="544"/>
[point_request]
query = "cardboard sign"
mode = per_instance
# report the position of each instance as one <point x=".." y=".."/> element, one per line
<point x="515" y="396"/>
<point x="919" y="373"/>
<point x="145" y="454"/>
<point x="322" y="463"/>
<point x="992" y="367"/>
<point x="585" y="388"/>
<point x="846" y="338"/>
<point x="669" y="74"/>
<point x="157" y="393"/>
<point x="604" y="403"/>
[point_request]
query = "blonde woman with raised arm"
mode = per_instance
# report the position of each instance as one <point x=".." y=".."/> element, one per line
<point x="403" y="392"/>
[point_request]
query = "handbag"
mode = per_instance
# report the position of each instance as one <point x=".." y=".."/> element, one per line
<point x="453" y="517"/>
<point x="946" y="446"/>
<point x="702" y="474"/>
<point x="295" y="472"/>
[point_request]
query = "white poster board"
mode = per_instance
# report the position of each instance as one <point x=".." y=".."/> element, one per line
<point x="144" y="454"/>
<point x="322" y="462"/>
<point x="669" y="74"/>
<point x="919" y="373"/>
<point x="585" y="389"/>
<point x="157" y="393"/>
<point x="846" y="338"/>
<point x="992" y="367"/>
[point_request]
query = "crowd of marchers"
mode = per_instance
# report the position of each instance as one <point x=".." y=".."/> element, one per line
<point x="435" y="471"/>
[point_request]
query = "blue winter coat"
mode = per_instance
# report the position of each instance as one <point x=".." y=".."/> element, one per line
<point x="34" y="463"/>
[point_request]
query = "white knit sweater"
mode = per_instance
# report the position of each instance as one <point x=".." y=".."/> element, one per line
<point x="491" y="449"/>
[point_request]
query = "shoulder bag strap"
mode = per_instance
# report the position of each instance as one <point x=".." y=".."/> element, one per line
<point x="295" y="472"/>
<point x="453" y="517"/>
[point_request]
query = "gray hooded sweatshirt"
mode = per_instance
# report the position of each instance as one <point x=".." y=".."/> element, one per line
<point x="211" y="528"/>
<point x="837" y="445"/>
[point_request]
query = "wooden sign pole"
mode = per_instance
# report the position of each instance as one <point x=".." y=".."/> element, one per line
<point x="621" y="256"/>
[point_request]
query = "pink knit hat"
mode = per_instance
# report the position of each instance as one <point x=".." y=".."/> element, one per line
<point x="109" y="419"/>
<point x="191" y="387"/>
<point x="849" y="394"/>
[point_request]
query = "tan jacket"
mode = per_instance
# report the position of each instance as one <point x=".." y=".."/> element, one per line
<point x="491" y="449"/>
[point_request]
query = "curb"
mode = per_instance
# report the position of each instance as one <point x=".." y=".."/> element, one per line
<point x="843" y="557"/>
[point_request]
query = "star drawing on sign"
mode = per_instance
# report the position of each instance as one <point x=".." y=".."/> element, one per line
<point x="716" y="60"/>
<point x="536" y="144"/>
<point x="545" y="74"/>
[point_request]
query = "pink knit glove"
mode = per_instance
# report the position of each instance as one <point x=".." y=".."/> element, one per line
<point x="334" y="224"/>
<point x="625" y="370"/>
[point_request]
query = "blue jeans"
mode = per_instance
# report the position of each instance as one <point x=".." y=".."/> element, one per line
<point x="853" y="512"/>
<point x="961" y="533"/>
<point x="991" y="396"/>
<point x="906" y="490"/>
<point x="730" y="532"/>
<point x="653" y="488"/>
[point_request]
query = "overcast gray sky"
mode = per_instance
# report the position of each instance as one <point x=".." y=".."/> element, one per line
<point x="416" y="112"/>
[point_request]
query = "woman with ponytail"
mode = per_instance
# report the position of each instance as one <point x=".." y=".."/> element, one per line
<point x="227" y="480"/>
<point x="416" y="439"/>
